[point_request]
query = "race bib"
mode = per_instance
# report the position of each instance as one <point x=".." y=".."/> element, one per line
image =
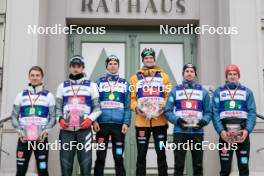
<point x="74" y="118"/>
<point x="32" y="132"/>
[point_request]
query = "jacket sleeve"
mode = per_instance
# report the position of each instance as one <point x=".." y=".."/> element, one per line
<point x="207" y="109"/>
<point x="59" y="102"/>
<point x="127" y="116"/>
<point x="98" y="83"/>
<point x="169" y="109"/>
<point x="216" y="116"/>
<point x="251" y="107"/>
<point x="168" y="87"/>
<point x="133" y="95"/>
<point x="16" y="112"/>
<point x="52" y="113"/>
<point x="96" y="109"/>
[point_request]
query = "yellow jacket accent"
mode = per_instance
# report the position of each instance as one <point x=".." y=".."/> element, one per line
<point x="141" y="121"/>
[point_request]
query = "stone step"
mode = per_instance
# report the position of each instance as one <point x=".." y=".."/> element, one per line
<point x="13" y="173"/>
<point x="251" y="174"/>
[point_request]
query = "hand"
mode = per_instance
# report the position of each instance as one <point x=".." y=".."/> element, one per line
<point x="124" y="128"/>
<point x="43" y="135"/>
<point x="87" y="123"/>
<point x="63" y="124"/>
<point x="242" y="138"/>
<point x="181" y="122"/>
<point x="161" y="111"/>
<point x="22" y="136"/>
<point x="96" y="126"/>
<point x="139" y="112"/>
<point x="201" y="123"/>
<point x="225" y="136"/>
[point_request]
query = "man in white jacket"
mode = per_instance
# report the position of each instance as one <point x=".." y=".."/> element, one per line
<point x="77" y="106"/>
<point x="33" y="116"/>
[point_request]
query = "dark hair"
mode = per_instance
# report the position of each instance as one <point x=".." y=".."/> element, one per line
<point x="189" y="65"/>
<point x="111" y="58"/>
<point x="36" y="68"/>
<point x="148" y="52"/>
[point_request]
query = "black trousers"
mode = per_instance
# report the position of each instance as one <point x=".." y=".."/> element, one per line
<point x="143" y="135"/>
<point x="72" y="141"/>
<point x="180" y="153"/>
<point x="242" y="153"/>
<point x="118" y="146"/>
<point x="24" y="151"/>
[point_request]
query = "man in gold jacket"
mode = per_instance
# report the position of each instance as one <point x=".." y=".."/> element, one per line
<point x="150" y="87"/>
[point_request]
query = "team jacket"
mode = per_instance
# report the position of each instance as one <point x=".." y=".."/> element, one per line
<point x="176" y="106"/>
<point x="114" y="110"/>
<point x="88" y="100"/>
<point x="160" y="81"/>
<point x="244" y="109"/>
<point x="44" y="109"/>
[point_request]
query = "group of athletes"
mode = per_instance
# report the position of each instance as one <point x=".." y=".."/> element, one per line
<point x="82" y="106"/>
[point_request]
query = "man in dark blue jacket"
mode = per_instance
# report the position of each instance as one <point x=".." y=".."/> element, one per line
<point x="115" y="118"/>
<point x="188" y="109"/>
<point x="234" y="118"/>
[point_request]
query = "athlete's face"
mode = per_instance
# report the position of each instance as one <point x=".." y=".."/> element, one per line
<point x="76" y="69"/>
<point x="35" y="77"/>
<point x="113" y="67"/>
<point x="149" y="61"/>
<point x="233" y="77"/>
<point x="189" y="74"/>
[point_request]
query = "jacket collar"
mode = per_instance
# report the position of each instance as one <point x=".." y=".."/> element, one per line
<point x="78" y="81"/>
<point x="35" y="89"/>
<point x="111" y="77"/>
<point x="188" y="84"/>
<point x="232" y="85"/>
<point x="150" y="71"/>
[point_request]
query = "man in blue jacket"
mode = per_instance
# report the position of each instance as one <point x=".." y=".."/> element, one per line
<point x="234" y="118"/>
<point x="115" y="118"/>
<point x="188" y="108"/>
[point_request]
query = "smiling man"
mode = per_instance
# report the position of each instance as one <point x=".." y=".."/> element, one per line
<point x="234" y="119"/>
<point x="33" y="116"/>
<point x="150" y="89"/>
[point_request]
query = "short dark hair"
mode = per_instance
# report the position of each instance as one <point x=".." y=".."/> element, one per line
<point x="36" y="68"/>
<point x="111" y="58"/>
<point x="189" y="65"/>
